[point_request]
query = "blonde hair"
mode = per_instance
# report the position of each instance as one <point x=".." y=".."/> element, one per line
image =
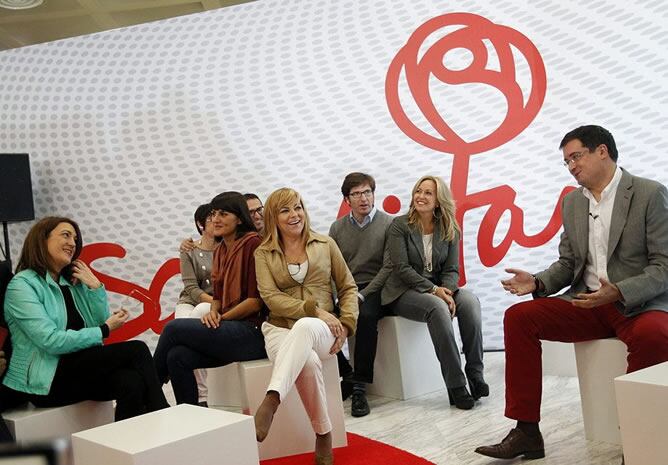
<point x="445" y="208"/>
<point x="280" y="198"/>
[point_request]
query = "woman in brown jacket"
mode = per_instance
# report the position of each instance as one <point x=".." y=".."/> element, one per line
<point x="295" y="268"/>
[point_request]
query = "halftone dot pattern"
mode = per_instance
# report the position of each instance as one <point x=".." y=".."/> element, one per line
<point x="129" y="130"/>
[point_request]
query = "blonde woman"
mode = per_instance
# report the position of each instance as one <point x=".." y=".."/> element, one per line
<point x="295" y="268"/>
<point x="424" y="248"/>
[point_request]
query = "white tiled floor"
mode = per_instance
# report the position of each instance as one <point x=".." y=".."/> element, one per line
<point x="428" y="427"/>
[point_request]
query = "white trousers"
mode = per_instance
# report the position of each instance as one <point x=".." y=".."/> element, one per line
<point x="192" y="311"/>
<point x="198" y="311"/>
<point x="297" y="355"/>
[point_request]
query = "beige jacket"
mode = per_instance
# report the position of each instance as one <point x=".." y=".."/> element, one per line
<point x="286" y="298"/>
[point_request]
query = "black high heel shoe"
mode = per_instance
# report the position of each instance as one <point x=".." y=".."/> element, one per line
<point x="460" y="398"/>
<point x="479" y="388"/>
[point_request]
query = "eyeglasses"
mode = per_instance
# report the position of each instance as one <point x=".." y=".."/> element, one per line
<point x="356" y="195"/>
<point x="259" y="211"/>
<point x="575" y="156"/>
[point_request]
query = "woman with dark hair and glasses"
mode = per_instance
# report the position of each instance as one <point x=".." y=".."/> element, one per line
<point x="58" y="317"/>
<point x="230" y="332"/>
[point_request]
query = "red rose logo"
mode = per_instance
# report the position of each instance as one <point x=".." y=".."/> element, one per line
<point x="474" y="34"/>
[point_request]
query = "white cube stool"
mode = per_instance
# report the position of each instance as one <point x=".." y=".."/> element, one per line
<point x="31" y="423"/>
<point x="179" y="435"/>
<point x="599" y="363"/>
<point x="406" y="365"/>
<point x="224" y="386"/>
<point x="559" y="359"/>
<point x="291" y="432"/>
<point x="642" y="405"/>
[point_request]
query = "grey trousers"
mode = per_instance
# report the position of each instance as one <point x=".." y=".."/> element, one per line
<point x="434" y="311"/>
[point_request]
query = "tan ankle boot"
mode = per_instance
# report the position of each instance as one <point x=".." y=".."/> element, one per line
<point x="265" y="415"/>
<point x="323" y="449"/>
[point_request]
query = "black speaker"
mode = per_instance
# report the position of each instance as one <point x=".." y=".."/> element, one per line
<point x="15" y="188"/>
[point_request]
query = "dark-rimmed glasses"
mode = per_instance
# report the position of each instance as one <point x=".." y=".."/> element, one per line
<point x="259" y="210"/>
<point x="356" y="195"/>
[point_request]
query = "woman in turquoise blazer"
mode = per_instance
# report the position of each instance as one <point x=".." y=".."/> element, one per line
<point x="58" y="318"/>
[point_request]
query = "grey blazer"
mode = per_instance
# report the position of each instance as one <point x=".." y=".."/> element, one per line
<point x="637" y="247"/>
<point x="407" y="256"/>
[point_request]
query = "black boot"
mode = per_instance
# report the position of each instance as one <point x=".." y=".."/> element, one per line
<point x="359" y="405"/>
<point x="479" y="388"/>
<point x="460" y="398"/>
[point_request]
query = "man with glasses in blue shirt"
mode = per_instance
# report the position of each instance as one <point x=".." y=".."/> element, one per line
<point x="361" y="238"/>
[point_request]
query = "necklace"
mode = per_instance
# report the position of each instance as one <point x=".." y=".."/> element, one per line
<point x="428" y="242"/>
<point x="294" y="269"/>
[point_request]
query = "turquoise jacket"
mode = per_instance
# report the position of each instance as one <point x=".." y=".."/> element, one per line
<point x="37" y="318"/>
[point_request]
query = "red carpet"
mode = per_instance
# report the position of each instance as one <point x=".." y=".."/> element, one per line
<point x="360" y="451"/>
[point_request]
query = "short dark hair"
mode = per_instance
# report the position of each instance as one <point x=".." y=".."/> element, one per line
<point x="201" y="214"/>
<point x="35" y="253"/>
<point x="591" y="137"/>
<point x="235" y="202"/>
<point x="251" y="196"/>
<point x="357" y="179"/>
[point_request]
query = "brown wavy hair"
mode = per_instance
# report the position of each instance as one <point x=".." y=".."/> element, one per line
<point x="35" y="254"/>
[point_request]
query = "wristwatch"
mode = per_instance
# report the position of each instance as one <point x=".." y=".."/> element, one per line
<point x="536" y="282"/>
<point x="434" y="289"/>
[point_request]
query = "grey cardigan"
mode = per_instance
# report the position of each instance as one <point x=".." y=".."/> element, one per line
<point x="637" y="246"/>
<point x="196" y="275"/>
<point x="406" y="249"/>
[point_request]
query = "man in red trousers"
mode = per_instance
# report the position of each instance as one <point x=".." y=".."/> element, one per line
<point x="613" y="256"/>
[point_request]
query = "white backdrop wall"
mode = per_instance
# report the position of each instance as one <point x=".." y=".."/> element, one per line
<point x="130" y="130"/>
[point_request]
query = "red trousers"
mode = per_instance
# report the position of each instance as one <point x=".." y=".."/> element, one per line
<point x="554" y="319"/>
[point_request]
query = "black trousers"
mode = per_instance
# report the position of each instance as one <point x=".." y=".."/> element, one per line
<point x="123" y="372"/>
<point x="366" y="340"/>
<point x="9" y="399"/>
<point x="366" y="337"/>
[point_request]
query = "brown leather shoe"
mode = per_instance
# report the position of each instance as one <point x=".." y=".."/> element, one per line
<point x="515" y="444"/>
